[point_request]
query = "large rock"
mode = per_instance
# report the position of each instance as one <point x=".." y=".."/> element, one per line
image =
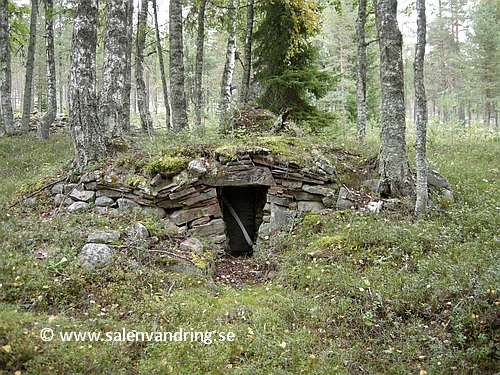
<point x="95" y="256"/>
<point x="104" y="236"/>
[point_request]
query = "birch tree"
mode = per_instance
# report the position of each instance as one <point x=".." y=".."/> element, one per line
<point x="30" y="63"/>
<point x="159" y="50"/>
<point x="142" y="99"/>
<point x="421" y="111"/>
<point x="86" y="130"/>
<point x="198" y="70"/>
<point x="5" y="70"/>
<point x="247" y="53"/>
<point x="395" y="176"/>
<point x="227" y="74"/>
<point x="361" y="66"/>
<point x="179" y="111"/>
<point x="51" y="113"/>
<point x="113" y="106"/>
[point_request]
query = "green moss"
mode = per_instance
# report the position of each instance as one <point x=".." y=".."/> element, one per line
<point x="134" y="180"/>
<point x="170" y="164"/>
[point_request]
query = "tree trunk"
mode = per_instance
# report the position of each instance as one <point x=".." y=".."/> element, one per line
<point x="247" y="59"/>
<point x="128" y="67"/>
<point x="86" y="130"/>
<point x="162" y="67"/>
<point x="395" y="176"/>
<point x="421" y="111"/>
<point x="227" y="75"/>
<point x="198" y="70"/>
<point x="112" y="106"/>
<point x="30" y="63"/>
<point x="179" y="111"/>
<point x="142" y="99"/>
<point x="5" y="71"/>
<point x="50" y="116"/>
<point x="361" y="65"/>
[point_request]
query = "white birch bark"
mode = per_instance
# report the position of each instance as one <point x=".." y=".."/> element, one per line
<point x="5" y="70"/>
<point x="421" y="111"/>
<point x="88" y="137"/>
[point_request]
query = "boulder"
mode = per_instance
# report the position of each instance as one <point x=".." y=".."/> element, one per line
<point x="95" y="256"/>
<point x="159" y="212"/>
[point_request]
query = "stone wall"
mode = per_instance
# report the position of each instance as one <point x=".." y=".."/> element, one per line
<point x="188" y="202"/>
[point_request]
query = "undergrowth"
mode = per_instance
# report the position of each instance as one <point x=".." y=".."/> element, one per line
<point x="347" y="292"/>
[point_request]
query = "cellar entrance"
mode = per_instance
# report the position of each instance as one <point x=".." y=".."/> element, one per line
<point x="243" y="210"/>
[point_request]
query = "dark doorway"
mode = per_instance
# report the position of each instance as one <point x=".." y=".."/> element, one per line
<point x="242" y="207"/>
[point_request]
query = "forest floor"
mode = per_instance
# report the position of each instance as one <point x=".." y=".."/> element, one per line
<point x="345" y="292"/>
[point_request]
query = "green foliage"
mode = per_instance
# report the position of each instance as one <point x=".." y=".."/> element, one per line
<point x="286" y="59"/>
<point x="171" y="164"/>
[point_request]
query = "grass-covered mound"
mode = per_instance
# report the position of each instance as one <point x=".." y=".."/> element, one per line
<point x="345" y="292"/>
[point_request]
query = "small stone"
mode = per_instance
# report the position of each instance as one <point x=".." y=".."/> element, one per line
<point x="95" y="256"/>
<point x="104" y="201"/>
<point x="126" y="204"/>
<point x="78" y="206"/>
<point x="101" y="210"/>
<point x="104" y="236"/>
<point x="197" y="167"/>
<point x="62" y="200"/>
<point x="67" y="188"/>
<point x="330" y="200"/>
<point x="138" y="231"/>
<point x="58" y="188"/>
<point x="374" y="207"/>
<point x="82" y="195"/>
<point x="191" y="244"/>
